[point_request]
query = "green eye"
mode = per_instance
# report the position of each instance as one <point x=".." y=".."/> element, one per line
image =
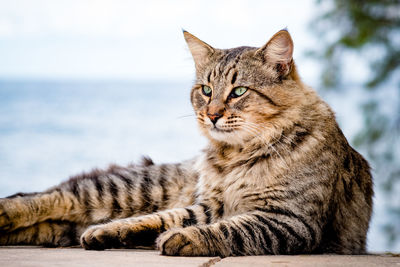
<point x="206" y="90"/>
<point x="238" y="91"/>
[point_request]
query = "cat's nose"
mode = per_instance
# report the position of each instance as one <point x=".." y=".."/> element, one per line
<point x="214" y="117"/>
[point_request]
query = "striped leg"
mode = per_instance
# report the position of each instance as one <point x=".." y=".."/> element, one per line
<point x="143" y="230"/>
<point x="99" y="196"/>
<point x="49" y="233"/>
<point x="256" y="233"/>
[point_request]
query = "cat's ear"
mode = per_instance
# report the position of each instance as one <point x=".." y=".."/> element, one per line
<point x="201" y="51"/>
<point x="279" y="52"/>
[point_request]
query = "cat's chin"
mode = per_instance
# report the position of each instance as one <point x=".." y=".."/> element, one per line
<point x="233" y="137"/>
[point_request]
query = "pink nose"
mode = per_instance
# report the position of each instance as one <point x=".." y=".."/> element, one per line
<point x="214" y="117"/>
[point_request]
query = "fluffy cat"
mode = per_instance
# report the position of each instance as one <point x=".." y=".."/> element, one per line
<point x="278" y="175"/>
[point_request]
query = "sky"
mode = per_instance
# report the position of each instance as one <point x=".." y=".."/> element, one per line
<point x="117" y="39"/>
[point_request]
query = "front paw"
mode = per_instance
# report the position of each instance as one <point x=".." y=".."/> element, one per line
<point x="100" y="237"/>
<point x="182" y="242"/>
<point x="6" y="222"/>
<point x="120" y="233"/>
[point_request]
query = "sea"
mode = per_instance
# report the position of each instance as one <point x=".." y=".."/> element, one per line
<point x="50" y="130"/>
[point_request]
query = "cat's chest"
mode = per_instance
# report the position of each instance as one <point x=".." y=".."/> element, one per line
<point x="229" y="190"/>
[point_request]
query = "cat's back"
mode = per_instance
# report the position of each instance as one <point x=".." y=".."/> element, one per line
<point x="348" y="182"/>
<point x="351" y="204"/>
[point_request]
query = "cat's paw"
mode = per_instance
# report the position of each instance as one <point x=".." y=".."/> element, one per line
<point x="6" y="215"/>
<point x="15" y="213"/>
<point x="100" y="237"/>
<point x="182" y="242"/>
<point x="120" y="233"/>
<point x="4" y="237"/>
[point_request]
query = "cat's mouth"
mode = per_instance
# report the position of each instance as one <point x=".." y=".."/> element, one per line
<point x="221" y="130"/>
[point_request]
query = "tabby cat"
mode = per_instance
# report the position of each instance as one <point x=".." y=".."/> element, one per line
<point x="277" y="177"/>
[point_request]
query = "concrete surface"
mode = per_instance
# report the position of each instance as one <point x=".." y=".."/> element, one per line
<point x="36" y="256"/>
<point x="312" y="260"/>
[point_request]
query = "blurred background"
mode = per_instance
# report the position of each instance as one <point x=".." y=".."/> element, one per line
<point x="87" y="83"/>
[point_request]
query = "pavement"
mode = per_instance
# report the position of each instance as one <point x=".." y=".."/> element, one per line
<point x="38" y="256"/>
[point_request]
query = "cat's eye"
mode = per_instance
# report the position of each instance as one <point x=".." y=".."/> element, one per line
<point x="206" y="90"/>
<point x="238" y="91"/>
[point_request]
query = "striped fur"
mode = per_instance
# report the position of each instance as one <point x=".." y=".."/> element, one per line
<point x="278" y="175"/>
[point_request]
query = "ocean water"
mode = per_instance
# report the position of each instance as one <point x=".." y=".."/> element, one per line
<point x="50" y="130"/>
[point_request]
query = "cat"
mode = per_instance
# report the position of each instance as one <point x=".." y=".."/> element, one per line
<point x="277" y="177"/>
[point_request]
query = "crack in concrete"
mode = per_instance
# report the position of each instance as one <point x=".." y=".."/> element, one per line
<point x="210" y="262"/>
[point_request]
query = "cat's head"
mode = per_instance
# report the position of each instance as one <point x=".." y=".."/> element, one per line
<point x="245" y="93"/>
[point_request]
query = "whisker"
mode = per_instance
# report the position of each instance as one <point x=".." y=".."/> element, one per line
<point x="186" y="116"/>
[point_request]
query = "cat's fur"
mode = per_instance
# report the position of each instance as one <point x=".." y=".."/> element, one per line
<point x="278" y="176"/>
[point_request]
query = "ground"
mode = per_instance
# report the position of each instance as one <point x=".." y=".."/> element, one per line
<point x="36" y="256"/>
